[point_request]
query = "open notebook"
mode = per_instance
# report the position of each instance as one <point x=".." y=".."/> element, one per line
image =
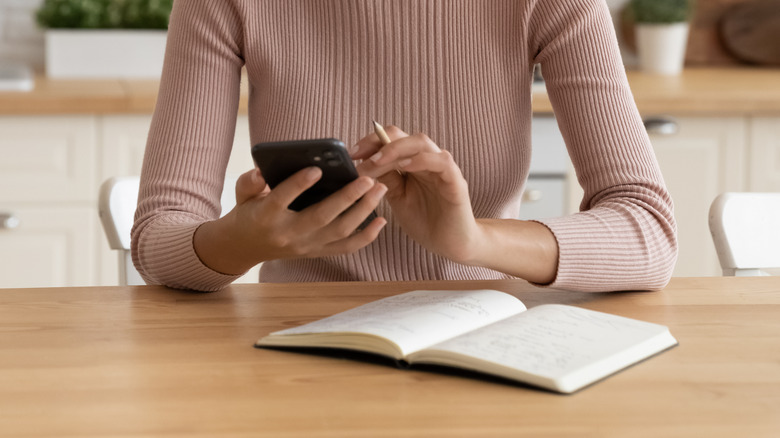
<point x="558" y="347"/>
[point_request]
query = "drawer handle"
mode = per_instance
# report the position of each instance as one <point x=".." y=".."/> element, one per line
<point x="8" y="221"/>
<point x="661" y="125"/>
<point x="532" y="195"/>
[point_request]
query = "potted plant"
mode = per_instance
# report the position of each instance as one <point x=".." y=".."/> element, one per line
<point x="661" y="33"/>
<point x="104" y="38"/>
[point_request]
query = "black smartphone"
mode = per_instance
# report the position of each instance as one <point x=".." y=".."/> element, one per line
<point x="278" y="160"/>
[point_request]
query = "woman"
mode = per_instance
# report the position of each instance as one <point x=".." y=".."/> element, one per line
<point x="458" y="71"/>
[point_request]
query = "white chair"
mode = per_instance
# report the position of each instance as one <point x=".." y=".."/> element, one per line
<point x="746" y="230"/>
<point x="116" y="207"/>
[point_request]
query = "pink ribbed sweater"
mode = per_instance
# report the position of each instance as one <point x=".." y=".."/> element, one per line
<point x="457" y="70"/>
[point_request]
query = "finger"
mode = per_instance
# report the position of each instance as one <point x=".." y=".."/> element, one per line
<point x="404" y="147"/>
<point x="395" y="132"/>
<point x="285" y="192"/>
<point x="327" y="210"/>
<point x="441" y="164"/>
<point x="356" y="241"/>
<point x="388" y="157"/>
<point x="346" y="224"/>
<point x="249" y="185"/>
<point x="371" y="144"/>
<point x="365" y="147"/>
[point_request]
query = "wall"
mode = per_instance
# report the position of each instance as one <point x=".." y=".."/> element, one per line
<point x="22" y="41"/>
<point x="615" y="6"/>
<point x="20" y="38"/>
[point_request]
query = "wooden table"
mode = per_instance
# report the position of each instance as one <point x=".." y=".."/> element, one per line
<point x="150" y="361"/>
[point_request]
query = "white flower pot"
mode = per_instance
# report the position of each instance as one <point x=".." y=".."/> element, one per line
<point x="661" y="47"/>
<point x="104" y="54"/>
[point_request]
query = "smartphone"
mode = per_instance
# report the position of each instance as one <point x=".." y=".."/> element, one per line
<point x="278" y="160"/>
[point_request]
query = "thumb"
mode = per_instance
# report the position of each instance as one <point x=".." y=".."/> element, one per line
<point x="249" y="185"/>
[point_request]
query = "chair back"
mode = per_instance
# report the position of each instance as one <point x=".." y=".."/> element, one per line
<point x="116" y="206"/>
<point x="745" y="228"/>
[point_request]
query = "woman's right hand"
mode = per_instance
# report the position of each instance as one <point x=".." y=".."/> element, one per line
<point x="262" y="228"/>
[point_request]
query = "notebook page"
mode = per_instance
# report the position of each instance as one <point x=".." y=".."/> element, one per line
<point x="556" y="341"/>
<point x="418" y="319"/>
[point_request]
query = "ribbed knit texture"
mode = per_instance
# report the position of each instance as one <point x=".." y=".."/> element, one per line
<point x="459" y="71"/>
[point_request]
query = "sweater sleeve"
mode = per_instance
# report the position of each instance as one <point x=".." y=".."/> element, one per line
<point x="189" y="144"/>
<point x="624" y="237"/>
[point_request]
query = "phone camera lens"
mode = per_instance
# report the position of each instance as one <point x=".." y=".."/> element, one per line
<point x="334" y="163"/>
<point x="329" y="154"/>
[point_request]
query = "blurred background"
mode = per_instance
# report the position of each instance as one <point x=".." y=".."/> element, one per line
<point x="76" y="104"/>
<point x="22" y="39"/>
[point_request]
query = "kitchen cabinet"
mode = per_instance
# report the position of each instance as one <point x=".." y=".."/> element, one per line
<point x="764" y="134"/>
<point x="47" y="176"/>
<point x="701" y="158"/>
<point x="51" y="246"/>
<point x="50" y="234"/>
<point x="61" y="140"/>
<point x="545" y="192"/>
<point x="47" y="160"/>
<point x="53" y="165"/>
<point x="123" y="140"/>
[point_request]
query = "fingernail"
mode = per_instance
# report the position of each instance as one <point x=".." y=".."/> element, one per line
<point x="366" y="184"/>
<point x="354" y="150"/>
<point x="376" y="157"/>
<point x="404" y="163"/>
<point x="313" y="173"/>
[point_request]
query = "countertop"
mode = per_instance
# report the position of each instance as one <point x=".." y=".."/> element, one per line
<point x="700" y="91"/>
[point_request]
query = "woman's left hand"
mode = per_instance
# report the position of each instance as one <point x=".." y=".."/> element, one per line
<point x="426" y="191"/>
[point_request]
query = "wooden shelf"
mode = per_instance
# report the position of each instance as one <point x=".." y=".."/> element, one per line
<point x="700" y="91"/>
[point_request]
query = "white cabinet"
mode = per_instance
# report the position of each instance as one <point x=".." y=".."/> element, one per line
<point x="700" y="157"/>
<point x="51" y="246"/>
<point x="50" y="173"/>
<point x="545" y="193"/>
<point x="47" y="179"/>
<point x="47" y="159"/>
<point x="543" y="197"/>
<point x="123" y="140"/>
<point x="705" y="157"/>
<point x="764" y="154"/>
<point x="52" y="166"/>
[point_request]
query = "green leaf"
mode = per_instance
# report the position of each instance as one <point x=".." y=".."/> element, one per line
<point x="661" y="11"/>
<point x="105" y="14"/>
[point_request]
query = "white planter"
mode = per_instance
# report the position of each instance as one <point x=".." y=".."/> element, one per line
<point x="661" y="47"/>
<point x="104" y="54"/>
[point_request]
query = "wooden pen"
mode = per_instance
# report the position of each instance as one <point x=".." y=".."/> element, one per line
<point x="380" y="131"/>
